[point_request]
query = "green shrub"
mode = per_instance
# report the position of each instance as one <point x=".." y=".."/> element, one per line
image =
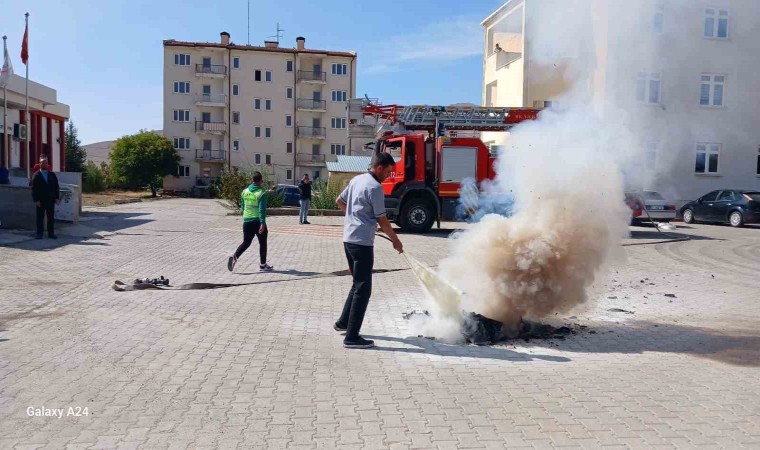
<point x="93" y="178"/>
<point x="324" y="194"/>
<point x="232" y="183"/>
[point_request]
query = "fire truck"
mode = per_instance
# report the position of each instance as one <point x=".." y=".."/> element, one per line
<point x="436" y="148"/>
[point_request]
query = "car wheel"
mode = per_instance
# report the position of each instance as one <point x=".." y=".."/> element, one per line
<point x="688" y="216"/>
<point x="736" y="219"/>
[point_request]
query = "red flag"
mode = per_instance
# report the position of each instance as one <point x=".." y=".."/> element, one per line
<point x="25" y="46"/>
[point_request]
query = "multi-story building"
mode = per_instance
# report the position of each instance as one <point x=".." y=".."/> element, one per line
<point x="683" y="71"/>
<point x="228" y="105"/>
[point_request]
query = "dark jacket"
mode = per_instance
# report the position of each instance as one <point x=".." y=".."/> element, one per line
<point x="45" y="191"/>
<point x="305" y="190"/>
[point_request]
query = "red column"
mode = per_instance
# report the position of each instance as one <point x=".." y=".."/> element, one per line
<point x="38" y="146"/>
<point x="23" y="142"/>
<point x="62" y="137"/>
<point x="33" y="157"/>
<point x="50" y="141"/>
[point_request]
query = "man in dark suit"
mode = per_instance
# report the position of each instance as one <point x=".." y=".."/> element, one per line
<point x="46" y="194"/>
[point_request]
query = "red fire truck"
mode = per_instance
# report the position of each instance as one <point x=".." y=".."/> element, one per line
<point x="435" y="149"/>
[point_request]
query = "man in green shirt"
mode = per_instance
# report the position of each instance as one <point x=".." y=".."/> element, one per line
<point x="254" y="205"/>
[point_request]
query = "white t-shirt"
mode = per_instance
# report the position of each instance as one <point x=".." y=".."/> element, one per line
<point x="365" y="203"/>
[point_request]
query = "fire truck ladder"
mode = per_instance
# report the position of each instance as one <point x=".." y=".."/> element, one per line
<point x="421" y="117"/>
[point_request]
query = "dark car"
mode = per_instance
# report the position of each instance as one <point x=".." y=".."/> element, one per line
<point x="734" y="206"/>
<point x="290" y="193"/>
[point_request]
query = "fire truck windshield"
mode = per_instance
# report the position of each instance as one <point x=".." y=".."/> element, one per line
<point x="394" y="148"/>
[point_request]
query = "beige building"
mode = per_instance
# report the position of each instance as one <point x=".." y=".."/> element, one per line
<point x="228" y="105"/>
<point x="684" y="71"/>
<point x="45" y="127"/>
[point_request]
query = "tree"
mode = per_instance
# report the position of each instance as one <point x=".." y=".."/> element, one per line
<point x="143" y="160"/>
<point x="76" y="156"/>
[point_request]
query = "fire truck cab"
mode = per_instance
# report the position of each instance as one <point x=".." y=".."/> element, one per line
<point x="425" y="185"/>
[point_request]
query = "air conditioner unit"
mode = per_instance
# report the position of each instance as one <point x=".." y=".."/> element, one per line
<point x="19" y="132"/>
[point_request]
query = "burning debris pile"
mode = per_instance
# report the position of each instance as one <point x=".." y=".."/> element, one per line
<point x="480" y="330"/>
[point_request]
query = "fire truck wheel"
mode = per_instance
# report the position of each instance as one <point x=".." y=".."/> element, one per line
<point x="417" y="216"/>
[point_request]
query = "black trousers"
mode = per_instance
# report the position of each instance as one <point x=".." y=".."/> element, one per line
<point x="361" y="259"/>
<point x="251" y="229"/>
<point x="46" y="208"/>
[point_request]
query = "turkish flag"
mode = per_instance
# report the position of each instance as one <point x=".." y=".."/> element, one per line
<point x="25" y="46"/>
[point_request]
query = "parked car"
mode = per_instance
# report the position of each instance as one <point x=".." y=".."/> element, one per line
<point x="649" y="204"/>
<point x="290" y="193"/>
<point x="736" y="207"/>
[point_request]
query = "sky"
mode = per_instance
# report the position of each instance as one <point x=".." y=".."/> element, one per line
<point x="105" y="58"/>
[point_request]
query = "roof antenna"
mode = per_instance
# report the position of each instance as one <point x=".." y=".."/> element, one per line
<point x="279" y="33"/>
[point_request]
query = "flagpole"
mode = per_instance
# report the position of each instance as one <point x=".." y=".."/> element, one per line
<point x="6" y="153"/>
<point x="26" y="108"/>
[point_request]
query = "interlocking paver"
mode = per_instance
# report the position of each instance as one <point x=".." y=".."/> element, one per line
<point x="259" y="366"/>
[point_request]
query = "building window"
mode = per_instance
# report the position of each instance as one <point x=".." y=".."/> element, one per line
<point x="711" y="90"/>
<point x="257" y="75"/>
<point x="288" y="120"/>
<point x="183" y="171"/>
<point x="707" y="158"/>
<point x="289" y="148"/>
<point x="181" y="143"/>
<point x="236" y="117"/>
<point x="257" y="158"/>
<point x="236" y="145"/>
<point x="235" y="89"/>
<point x="339" y="96"/>
<point x="268" y="132"/>
<point x="268" y="159"/>
<point x="182" y="115"/>
<point x="181" y="59"/>
<point x="650" y="156"/>
<point x="257" y="132"/>
<point x="648" y="88"/>
<point x="289" y="174"/>
<point x="289" y="66"/>
<point x="256" y="103"/>
<point x="236" y="62"/>
<point x="288" y="92"/>
<point x="338" y="123"/>
<point x="716" y="23"/>
<point x="268" y="77"/>
<point x="337" y="149"/>
<point x="758" y="162"/>
<point x="339" y="69"/>
<point x="268" y="104"/>
<point x="181" y="87"/>
<point x="658" y="19"/>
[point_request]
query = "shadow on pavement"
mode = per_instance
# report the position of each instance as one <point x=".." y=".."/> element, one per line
<point x="731" y="346"/>
<point x="294" y="272"/>
<point x="83" y="233"/>
<point x="654" y="234"/>
<point x="430" y="347"/>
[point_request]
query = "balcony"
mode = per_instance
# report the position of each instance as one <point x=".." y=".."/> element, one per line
<point x="309" y="159"/>
<point x="210" y="155"/>
<point x="210" y="127"/>
<point x="307" y="104"/>
<point x="312" y="132"/>
<point x="211" y="100"/>
<point x="312" y="77"/>
<point x="210" y="71"/>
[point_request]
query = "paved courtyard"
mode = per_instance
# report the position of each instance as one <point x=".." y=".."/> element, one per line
<point x="259" y="366"/>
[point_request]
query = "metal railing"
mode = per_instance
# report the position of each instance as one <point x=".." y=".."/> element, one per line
<point x="304" y="75"/>
<point x="214" y="69"/>
<point x="310" y="158"/>
<point x="211" y="98"/>
<point x="210" y="127"/>
<point x="210" y="155"/>
<point x="311" y="132"/>
<point x="308" y="103"/>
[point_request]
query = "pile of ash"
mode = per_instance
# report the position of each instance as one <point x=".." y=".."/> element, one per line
<point x="480" y="330"/>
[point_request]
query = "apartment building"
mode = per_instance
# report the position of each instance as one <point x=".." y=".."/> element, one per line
<point x="281" y="109"/>
<point x="685" y="72"/>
